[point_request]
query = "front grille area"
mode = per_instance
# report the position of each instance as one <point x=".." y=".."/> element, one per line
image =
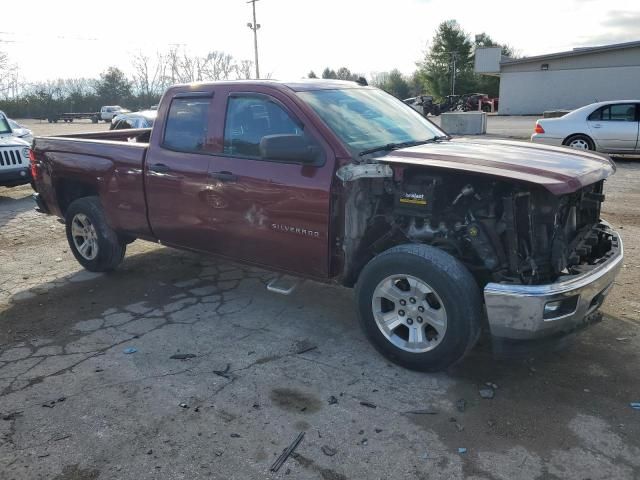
<point x="11" y="157"/>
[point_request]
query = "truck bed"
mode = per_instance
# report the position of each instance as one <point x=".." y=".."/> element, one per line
<point x="106" y="164"/>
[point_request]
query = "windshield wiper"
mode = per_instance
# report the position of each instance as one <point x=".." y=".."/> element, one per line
<point x="394" y="146"/>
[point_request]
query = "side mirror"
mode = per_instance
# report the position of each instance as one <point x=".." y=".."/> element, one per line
<point x="288" y="148"/>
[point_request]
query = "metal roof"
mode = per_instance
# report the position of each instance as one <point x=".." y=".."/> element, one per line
<point x="572" y="53"/>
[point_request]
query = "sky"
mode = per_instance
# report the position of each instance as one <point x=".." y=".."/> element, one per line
<point x="73" y="38"/>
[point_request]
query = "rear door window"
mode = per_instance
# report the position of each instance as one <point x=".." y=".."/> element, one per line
<point x="186" y="128"/>
<point x="618" y="112"/>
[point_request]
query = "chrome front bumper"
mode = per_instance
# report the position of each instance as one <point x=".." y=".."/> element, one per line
<point x="517" y="312"/>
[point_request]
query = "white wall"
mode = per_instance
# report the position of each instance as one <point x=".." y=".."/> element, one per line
<point x="533" y="92"/>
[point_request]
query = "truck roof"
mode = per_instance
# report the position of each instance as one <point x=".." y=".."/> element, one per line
<point x="301" y="85"/>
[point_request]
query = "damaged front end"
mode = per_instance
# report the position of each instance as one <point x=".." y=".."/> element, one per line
<point x="512" y="236"/>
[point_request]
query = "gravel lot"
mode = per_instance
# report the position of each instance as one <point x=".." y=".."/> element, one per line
<point x="73" y="405"/>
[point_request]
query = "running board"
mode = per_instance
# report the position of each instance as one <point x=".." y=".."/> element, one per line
<point x="283" y="285"/>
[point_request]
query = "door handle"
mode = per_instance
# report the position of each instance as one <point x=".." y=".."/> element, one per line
<point x="224" y="176"/>
<point x="159" y="168"/>
<point x="597" y="125"/>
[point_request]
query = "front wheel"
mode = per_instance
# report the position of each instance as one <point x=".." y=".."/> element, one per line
<point x="93" y="242"/>
<point x="419" y="306"/>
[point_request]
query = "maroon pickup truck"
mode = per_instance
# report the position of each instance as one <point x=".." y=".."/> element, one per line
<point x="337" y="182"/>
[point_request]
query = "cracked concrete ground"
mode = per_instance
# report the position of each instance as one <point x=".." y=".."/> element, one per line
<point x="262" y="368"/>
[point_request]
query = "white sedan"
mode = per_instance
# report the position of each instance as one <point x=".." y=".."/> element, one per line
<point x="609" y="127"/>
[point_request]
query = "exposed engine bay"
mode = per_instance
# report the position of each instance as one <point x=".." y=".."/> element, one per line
<point x="502" y="231"/>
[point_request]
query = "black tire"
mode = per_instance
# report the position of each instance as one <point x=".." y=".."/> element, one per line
<point x="579" y="138"/>
<point x="449" y="279"/>
<point x="94" y="119"/>
<point x="110" y="248"/>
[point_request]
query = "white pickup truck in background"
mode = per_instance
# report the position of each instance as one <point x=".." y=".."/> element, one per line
<point x="107" y="112"/>
<point x="14" y="156"/>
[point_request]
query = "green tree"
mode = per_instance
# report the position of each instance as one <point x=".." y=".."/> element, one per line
<point x="449" y="43"/>
<point x="344" y="73"/>
<point x="113" y="87"/>
<point x="328" y="73"/>
<point x="312" y="74"/>
<point x="393" y="82"/>
<point x="416" y="84"/>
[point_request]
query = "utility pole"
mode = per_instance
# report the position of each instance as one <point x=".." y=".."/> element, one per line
<point x="255" y="26"/>
<point x="454" y="57"/>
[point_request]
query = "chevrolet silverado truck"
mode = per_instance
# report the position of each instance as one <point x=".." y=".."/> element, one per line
<point x="341" y="183"/>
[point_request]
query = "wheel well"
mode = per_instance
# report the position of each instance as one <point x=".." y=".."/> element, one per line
<point x="68" y="190"/>
<point x="569" y="137"/>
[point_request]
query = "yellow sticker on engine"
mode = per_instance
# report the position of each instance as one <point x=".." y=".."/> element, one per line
<point x="413" y="201"/>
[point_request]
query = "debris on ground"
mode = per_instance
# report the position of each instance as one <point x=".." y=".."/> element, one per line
<point x="286" y="453"/>
<point x="218" y="453"/>
<point x="635" y="405"/>
<point x="235" y="435"/>
<point x="52" y="403"/>
<point x="622" y="339"/>
<point x="368" y="404"/>
<point x="150" y="451"/>
<point x="424" y="411"/>
<point x="328" y="451"/>
<point x="182" y="356"/>
<point x="11" y="416"/>
<point x="492" y="385"/>
<point x="364" y="441"/>
<point x="183" y="405"/>
<point x="304" y="346"/>
<point x="459" y="427"/>
<point x="129" y="350"/>
<point x="462" y="450"/>
<point x="224" y="373"/>
<point x="332" y="400"/>
<point x="487" y="393"/>
<point x="378" y="430"/>
<point x="461" y="405"/>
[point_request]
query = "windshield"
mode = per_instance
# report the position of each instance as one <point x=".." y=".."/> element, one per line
<point x="4" y="125"/>
<point x="366" y="118"/>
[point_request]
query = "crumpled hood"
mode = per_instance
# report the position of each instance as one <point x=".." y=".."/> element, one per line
<point x="11" y="141"/>
<point x="558" y="169"/>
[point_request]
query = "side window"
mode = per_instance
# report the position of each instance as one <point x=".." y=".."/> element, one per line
<point x="186" y="128"/>
<point x="623" y="112"/>
<point x="619" y="112"/>
<point x="251" y="118"/>
<point x="597" y="115"/>
<point x="123" y="124"/>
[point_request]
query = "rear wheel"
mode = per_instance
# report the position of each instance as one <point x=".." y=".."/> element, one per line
<point x="94" y="244"/>
<point x="409" y="301"/>
<point x="579" y="142"/>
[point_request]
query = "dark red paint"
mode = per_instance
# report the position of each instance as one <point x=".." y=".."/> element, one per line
<point x="277" y="215"/>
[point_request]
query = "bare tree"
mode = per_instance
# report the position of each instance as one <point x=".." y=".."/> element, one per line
<point x="148" y="76"/>
<point x="9" y="78"/>
<point x="244" y="69"/>
<point x="218" y="66"/>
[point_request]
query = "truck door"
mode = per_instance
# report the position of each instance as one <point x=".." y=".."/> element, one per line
<point x="271" y="212"/>
<point x="615" y="127"/>
<point x="176" y="173"/>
